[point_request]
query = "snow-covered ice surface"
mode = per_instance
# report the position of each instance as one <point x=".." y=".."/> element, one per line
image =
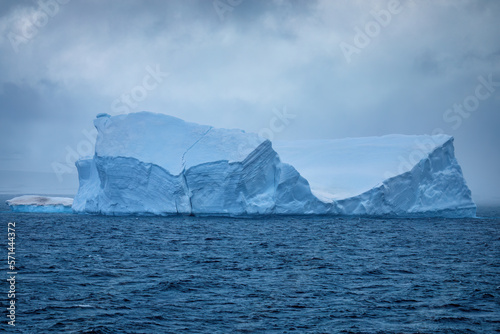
<point x="35" y="203"/>
<point x="169" y="142"/>
<point x="148" y="163"/>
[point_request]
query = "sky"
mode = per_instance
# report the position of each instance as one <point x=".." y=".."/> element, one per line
<point x="321" y="69"/>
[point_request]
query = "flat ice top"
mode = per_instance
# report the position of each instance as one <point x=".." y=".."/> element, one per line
<point x="169" y="141"/>
<point x="40" y="200"/>
<point x="343" y="168"/>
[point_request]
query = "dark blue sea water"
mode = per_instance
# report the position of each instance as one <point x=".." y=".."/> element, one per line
<point x="93" y="274"/>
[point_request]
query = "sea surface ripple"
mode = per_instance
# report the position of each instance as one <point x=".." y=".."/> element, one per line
<point x="95" y="274"/>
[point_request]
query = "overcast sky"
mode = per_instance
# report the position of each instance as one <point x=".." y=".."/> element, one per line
<point x="341" y="68"/>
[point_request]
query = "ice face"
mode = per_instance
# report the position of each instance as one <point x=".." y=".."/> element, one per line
<point x="260" y="184"/>
<point x="149" y="163"/>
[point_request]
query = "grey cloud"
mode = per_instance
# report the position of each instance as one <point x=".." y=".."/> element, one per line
<point x="262" y="55"/>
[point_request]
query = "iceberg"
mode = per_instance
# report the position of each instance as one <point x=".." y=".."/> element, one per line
<point x="35" y="203"/>
<point x="393" y="175"/>
<point x="147" y="163"/>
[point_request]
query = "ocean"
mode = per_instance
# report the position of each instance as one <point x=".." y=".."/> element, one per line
<point x="96" y="274"/>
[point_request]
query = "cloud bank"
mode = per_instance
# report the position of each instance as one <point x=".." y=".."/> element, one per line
<point x="341" y="68"/>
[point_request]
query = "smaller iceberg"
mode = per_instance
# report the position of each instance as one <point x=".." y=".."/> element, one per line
<point x="35" y="203"/>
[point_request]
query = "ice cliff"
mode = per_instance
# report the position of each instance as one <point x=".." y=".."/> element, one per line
<point x="147" y="163"/>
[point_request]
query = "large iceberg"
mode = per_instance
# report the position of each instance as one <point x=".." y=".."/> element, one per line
<point x="36" y="203"/>
<point x="148" y="163"/>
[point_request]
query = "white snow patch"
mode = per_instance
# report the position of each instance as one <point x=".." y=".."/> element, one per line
<point x="40" y="200"/>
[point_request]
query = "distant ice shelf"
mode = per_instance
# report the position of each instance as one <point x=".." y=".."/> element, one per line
<point x="147" y="163"/>
<point x="35" y="203"/>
